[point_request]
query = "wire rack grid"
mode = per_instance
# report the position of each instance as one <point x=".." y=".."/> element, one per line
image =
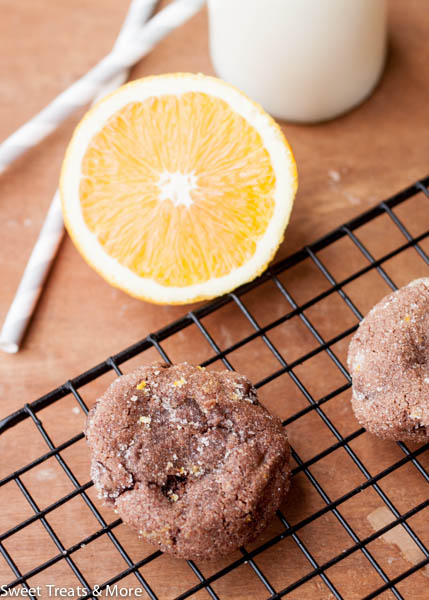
<point x="285" y="529"/>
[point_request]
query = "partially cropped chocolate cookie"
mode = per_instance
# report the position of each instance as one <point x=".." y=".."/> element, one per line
<point x="188" y="458"/>
<point x="389" y="363"/>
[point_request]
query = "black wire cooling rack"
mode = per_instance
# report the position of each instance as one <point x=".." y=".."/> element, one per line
<point x="277" y="276"/>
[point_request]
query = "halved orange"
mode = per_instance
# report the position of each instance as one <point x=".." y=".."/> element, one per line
<point x="177" y="188"/>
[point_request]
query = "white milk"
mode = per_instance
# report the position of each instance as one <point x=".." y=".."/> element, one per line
<point x="303" y="60"/>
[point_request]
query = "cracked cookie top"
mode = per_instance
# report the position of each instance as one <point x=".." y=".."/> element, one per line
<point x="188" y="458"/>
<point x="389" y="362"/>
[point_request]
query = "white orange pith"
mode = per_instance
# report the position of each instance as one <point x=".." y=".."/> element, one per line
<point x="177" y="188"/>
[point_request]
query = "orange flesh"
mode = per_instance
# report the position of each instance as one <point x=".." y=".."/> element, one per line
<point x="148" y="229"/>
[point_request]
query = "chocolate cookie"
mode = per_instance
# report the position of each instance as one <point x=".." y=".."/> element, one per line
<point x="389" y="363"/>
<point x="188" y="458"/>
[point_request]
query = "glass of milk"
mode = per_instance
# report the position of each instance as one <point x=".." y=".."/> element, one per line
<point x="303" y="60"/>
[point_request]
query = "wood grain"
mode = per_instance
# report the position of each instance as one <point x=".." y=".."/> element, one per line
<point x="345" y="166"/>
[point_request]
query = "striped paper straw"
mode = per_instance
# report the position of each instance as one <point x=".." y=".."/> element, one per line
<point x="31" y="284"/>
<point x="50" y="236"/>
<point x="87" y="87"/>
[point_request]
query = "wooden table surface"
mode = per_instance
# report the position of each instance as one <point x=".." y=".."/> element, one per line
<point x="345" y="167"/>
